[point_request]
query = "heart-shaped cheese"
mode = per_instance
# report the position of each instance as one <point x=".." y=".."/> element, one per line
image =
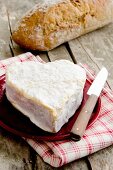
<point x="49" y="94"/>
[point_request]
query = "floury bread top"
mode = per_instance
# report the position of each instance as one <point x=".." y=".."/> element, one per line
<point x="54" y="90"/>
<point x="53" y="22"/>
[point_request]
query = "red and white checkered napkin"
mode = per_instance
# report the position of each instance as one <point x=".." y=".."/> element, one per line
<point x="96" y="137"/>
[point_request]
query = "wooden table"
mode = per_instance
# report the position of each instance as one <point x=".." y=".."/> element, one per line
<point x="94" y="49"/>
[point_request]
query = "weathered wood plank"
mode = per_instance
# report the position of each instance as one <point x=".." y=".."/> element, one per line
<point x="59" y="53"/>
<point x="80" y="54"/>
<point x="96" y="50"/>
<point x="102" y="160"/>
<point x="4" y="34"/>
<point x="76" y="165"/>
<point x="44" y="57"/>
<point x="15" y="10"/>
<point x="14" y="152"/>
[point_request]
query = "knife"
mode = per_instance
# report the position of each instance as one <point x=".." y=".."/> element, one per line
<point x="93" y="92"/>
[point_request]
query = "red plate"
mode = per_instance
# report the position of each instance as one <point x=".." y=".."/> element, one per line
<point x="18" y="124"/>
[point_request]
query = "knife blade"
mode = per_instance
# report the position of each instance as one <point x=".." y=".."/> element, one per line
<point x="93" y="92"/>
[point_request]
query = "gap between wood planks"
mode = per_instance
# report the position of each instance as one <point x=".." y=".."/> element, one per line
<point x="92" y="60"/>
<point x="11" y="42"/>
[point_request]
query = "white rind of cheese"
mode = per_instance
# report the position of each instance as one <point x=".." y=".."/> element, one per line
<point x="49" y="94"/>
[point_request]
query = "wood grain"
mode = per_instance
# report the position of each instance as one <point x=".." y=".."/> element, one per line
<point x="96" y="50"/>
<point x="59" y="53"/>
<point x="102" y="160"/>
<point x="4" y="34"/>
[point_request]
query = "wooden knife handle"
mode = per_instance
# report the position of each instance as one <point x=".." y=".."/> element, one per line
<point x="83" y="118"/>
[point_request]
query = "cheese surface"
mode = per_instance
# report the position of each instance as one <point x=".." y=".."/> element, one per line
<point x="49" y="94"/>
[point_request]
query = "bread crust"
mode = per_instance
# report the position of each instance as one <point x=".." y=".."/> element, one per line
<point x="51" y="23"/>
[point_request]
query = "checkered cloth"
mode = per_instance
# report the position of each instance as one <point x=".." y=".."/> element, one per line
<point x="98" y="136"/>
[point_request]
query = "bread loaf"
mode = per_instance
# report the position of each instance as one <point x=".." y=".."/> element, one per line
<point x="53" y="22"/>
<point x="49" y="94"/>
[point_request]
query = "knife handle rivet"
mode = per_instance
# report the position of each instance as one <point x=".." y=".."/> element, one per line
<point x="86" y="111"/>
<point x="77" y="129"/>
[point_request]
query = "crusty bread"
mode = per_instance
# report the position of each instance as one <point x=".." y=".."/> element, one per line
<point x="53" y="22"/>
<point x="49" y="94"/>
